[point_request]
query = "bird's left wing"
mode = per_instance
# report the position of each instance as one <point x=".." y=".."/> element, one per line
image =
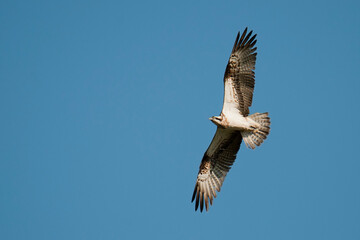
<point x="239" y="78"/>
<point x="214" y="166"/>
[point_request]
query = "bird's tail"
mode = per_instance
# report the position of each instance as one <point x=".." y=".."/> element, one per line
<point x="258" y="135"/>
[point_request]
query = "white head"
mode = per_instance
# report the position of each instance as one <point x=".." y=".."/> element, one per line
<point x="216" y="120"/>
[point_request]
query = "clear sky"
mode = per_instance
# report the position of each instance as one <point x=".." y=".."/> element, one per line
<point x="104" y="119"/>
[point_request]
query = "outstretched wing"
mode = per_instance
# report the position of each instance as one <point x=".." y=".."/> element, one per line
<point x="216" y="163"/>
<point x="239" y="78"/>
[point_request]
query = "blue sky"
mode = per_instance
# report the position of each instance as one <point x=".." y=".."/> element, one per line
<point x="104" y="119"/>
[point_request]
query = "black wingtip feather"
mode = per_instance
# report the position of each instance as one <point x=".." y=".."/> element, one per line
<point x="236" y="41"/>
<point x="197" y="199"/>
<point x="242" y="37"/>
<point x="247" y="37"/>
<point x="250" y="42"/>
<point x="206" y="204"/>
<point x="201" y="202"/>
<point x="245" y="30"/>
<point x="253" y="44"/>
<point x="193" y="196"/>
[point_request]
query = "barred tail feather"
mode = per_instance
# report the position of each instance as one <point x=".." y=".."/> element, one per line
<point x="257" y="136"/>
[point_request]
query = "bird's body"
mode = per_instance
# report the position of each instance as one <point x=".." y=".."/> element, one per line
<point x="234" y="123"/>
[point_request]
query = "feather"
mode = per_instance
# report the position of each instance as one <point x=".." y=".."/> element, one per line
<point x="215" y="165"/>
<point x="239" y="74"/>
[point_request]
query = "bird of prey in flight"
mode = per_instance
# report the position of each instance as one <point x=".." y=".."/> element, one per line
<point x="234" y="123"/>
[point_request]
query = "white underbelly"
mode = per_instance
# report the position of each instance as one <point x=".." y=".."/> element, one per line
<point x="239" y="122"/>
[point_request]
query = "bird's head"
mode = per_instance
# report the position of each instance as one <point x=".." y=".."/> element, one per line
<point x="216" y="120"/>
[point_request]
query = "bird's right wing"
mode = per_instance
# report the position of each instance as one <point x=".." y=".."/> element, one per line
<point x="214" y="166"/>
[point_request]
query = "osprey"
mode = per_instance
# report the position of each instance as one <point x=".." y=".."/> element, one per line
<point x="234" y="123"/>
